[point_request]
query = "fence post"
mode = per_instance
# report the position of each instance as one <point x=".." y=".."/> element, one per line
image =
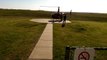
<point x="67" y="53"/>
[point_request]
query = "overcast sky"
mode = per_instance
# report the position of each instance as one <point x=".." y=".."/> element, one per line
<point x="66" y="5"/>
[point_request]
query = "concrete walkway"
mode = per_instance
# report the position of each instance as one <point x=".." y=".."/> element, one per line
<point x="44" y="48"/>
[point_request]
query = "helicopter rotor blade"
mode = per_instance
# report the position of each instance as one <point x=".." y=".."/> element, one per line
<point x="50" y="6"/>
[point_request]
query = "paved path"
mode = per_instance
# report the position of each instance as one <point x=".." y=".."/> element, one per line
<point x="44" y="48"/>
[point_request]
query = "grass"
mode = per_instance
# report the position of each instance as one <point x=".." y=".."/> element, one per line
<point x="18" y="37"/>
<point x="80" y="33"/>
<point x="25" y="13"/>
<point x="88" y="16"/>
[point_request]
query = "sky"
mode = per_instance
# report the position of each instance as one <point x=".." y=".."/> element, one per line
<point x="96" y="6"/>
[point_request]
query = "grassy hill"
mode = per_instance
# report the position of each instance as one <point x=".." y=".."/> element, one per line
<point x="78" y="34"/>
<point x="25" y="13"/>
<point x="86" y="29"/>
<point x="47" y="14"/>
<point x="88" y="16"/>
<point x="18" y="35"/>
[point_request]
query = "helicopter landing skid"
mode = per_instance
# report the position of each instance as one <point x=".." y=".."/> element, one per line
<point x="54" y="21"/>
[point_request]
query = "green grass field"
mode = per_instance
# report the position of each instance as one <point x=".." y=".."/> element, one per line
<point x="80" y="33"/>
<point x="25" y="13"/>
<point x="18" y="37"/>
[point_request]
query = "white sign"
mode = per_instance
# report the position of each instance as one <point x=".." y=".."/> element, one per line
<point x="84" y="54"/>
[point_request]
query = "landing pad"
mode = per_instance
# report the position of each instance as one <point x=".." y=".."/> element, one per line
<point x="47" y="21"/>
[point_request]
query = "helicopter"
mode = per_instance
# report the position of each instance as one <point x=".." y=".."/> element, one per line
<point x="56" y="16"/>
